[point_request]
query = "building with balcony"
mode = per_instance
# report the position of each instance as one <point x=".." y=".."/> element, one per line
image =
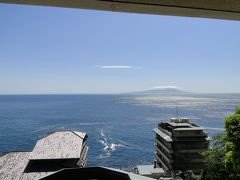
<point x="178" y="145"/>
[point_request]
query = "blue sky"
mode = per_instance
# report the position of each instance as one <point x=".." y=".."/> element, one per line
<point x="60" y="50"/>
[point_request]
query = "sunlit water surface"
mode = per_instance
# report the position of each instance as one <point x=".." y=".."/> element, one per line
<point x="119" y="127"/>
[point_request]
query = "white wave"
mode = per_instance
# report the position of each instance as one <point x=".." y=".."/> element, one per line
<point x="102" y="134"/>
<point x="104" y="144"/>
<point x="108" y="147"/>
<point x="114" y="146"/>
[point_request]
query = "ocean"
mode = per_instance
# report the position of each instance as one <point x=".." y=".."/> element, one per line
<point x="119" y="127"/>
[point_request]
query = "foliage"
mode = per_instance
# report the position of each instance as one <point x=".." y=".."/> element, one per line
<point x="232" y="147"/>
<point x="237" y="110"/>
<point x="222" y="160"/>
<point x="232" y="125"/>
<point x="214" y="160"/>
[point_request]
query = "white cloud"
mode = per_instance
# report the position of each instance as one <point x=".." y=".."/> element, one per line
<point x="119" y="67"/>
<point x="166" y="87"/>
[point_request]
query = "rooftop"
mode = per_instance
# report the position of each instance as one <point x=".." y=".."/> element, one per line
<point x="13" y="164"/>
<point x="53" y="152"/>
<point x="221" y="9"/>
<point x="95" y="173"/>
<point x="59" y="145"/>
<point x="180" y="124"/>
<point x="147" y="170"/>
<point x="180" y="130"/>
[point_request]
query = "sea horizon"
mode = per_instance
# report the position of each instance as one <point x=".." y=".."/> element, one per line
<point x="119" y="126"/>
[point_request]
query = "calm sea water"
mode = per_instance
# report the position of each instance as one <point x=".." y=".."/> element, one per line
<point x="119" y="126"/>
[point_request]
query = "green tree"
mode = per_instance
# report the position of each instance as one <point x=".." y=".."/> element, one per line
<point x="222" y="160"/>
<point x="232" y="147"/>
<point x="214" y="160"/>
<point x="237" y="110"/>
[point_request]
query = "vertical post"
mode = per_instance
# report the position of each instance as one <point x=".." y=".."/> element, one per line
<point x="176" y="111"/>
<point x="173" y="174"/>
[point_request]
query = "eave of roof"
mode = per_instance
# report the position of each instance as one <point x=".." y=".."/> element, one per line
<point x="217" y="9"/>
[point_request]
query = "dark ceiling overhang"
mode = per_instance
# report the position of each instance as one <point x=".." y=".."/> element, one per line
<point x="218" y="9"/>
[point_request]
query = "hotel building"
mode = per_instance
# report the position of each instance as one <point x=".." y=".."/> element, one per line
<point x="178" y="145"/>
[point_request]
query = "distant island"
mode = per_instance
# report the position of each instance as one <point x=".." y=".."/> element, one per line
<point x="162" y="90"/>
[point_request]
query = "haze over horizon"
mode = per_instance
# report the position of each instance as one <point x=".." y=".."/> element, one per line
<point x="46" y="50"/>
